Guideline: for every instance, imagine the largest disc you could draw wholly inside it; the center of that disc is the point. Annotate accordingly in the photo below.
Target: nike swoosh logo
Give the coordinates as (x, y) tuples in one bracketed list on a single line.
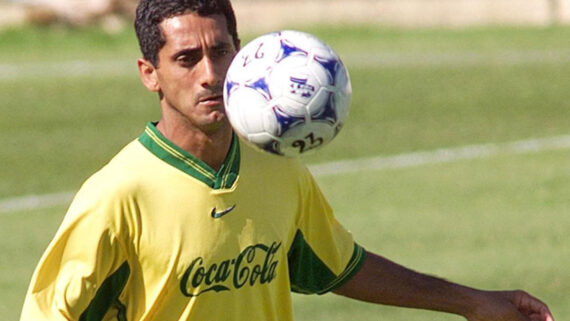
[(216, 214)]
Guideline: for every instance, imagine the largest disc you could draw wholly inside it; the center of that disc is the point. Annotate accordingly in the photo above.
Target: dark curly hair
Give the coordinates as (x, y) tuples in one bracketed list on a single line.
[(150, 13)]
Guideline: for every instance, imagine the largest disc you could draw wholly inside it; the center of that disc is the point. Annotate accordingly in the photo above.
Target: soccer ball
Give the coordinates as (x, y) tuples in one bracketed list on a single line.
[(287, 93)]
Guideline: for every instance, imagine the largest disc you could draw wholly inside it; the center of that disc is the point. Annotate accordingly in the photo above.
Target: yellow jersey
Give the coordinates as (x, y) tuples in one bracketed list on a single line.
[(157, 234)]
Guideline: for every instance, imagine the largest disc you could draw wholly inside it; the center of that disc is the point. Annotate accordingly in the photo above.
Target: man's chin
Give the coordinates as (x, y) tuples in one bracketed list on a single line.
[(216, 121), (216, 117)]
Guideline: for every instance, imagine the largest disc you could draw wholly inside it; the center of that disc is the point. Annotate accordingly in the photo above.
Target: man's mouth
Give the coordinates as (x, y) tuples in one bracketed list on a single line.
[(212, 100)]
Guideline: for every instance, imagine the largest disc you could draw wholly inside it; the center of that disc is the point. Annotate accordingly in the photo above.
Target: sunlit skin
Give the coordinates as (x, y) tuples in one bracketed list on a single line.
[(189, 80)]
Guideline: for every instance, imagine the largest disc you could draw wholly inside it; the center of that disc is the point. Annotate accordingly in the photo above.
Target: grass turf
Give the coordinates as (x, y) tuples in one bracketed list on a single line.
[(494, 223)]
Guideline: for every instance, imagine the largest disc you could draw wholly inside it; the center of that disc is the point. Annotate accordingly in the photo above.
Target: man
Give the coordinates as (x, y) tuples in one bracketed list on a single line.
[(188, 223)]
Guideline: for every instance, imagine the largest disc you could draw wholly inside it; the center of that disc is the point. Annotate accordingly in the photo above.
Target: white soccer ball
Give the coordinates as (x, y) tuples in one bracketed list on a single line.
[(287, 92)]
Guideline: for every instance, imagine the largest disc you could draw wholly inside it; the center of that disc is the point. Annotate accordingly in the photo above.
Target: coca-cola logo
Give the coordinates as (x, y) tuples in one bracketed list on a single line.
[(243, 270)]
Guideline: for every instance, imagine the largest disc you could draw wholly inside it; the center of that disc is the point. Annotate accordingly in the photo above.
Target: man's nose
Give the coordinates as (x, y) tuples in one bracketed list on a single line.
[(210, 72)]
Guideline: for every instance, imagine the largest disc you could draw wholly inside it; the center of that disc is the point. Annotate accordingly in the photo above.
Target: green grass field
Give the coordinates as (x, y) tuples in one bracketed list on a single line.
[(494, 222)]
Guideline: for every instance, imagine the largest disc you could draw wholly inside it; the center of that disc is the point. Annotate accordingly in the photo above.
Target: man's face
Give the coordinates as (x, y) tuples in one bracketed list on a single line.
[(192, 67)]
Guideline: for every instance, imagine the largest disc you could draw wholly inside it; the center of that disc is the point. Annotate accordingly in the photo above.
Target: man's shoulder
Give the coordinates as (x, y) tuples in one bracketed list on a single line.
[(123, 172)]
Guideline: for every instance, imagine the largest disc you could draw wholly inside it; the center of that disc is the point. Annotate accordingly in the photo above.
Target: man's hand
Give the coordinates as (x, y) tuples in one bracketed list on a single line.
[(509, 306)]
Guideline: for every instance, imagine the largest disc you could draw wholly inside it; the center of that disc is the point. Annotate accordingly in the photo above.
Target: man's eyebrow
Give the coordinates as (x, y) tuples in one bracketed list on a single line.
[(197, 51), (221, 45)]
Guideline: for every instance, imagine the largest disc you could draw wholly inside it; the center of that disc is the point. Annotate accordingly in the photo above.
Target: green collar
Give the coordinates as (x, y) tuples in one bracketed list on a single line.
[(164, 149)]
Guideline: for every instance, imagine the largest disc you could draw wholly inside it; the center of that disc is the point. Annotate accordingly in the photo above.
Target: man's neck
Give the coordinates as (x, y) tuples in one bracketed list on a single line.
[(210, 147)]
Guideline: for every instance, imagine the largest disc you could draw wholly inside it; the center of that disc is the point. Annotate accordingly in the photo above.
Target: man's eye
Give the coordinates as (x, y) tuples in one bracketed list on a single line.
[(187, 60), (222, 52)]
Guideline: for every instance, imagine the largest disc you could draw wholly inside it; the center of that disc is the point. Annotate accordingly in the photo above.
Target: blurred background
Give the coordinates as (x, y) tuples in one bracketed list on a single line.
[(453, 160), (267, 14)]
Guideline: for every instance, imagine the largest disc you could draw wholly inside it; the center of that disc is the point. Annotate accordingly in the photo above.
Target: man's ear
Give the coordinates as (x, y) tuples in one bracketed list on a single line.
[(148, 75)]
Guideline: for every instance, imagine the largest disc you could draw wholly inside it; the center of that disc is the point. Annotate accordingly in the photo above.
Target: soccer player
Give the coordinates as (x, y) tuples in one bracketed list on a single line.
[(188, 223)]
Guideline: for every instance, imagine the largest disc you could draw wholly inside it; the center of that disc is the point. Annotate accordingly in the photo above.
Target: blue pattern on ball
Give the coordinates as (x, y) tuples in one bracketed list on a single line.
[(229, 86), (260, 85), (286, 121), (331, 66), (287, 50)]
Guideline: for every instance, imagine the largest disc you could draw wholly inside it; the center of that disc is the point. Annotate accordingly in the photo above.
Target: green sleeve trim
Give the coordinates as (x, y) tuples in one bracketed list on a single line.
[(309, 275), (108, 295), (354, 265)]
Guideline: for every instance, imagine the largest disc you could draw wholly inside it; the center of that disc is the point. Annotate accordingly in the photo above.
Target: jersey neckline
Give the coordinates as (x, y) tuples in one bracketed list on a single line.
[(175, 156)]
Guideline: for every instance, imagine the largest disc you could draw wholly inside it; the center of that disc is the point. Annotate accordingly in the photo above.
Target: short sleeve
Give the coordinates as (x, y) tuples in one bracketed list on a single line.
[(83, 265), (323, 254)]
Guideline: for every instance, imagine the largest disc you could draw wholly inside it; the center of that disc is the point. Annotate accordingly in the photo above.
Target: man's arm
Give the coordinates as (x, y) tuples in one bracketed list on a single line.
[(84, 254), (385, 282)]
